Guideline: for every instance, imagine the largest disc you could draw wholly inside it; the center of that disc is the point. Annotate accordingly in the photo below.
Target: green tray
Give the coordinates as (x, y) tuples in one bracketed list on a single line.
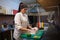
[(39, 34)]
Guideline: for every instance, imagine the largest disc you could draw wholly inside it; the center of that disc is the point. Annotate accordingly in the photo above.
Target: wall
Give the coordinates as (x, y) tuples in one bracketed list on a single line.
[(9, 19)]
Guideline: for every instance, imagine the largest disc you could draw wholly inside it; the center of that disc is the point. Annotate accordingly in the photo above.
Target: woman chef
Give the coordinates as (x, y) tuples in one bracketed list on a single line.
[(21, 22)]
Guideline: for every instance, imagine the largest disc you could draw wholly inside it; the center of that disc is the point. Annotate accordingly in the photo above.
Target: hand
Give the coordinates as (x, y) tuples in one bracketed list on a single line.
[(29, 27), (29, 30)]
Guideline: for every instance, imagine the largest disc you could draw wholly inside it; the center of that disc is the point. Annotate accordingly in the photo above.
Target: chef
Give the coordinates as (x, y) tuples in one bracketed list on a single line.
[(21, 22)]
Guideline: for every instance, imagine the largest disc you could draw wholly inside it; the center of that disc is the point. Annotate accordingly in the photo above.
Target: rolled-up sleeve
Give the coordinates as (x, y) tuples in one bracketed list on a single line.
[(17, 21)]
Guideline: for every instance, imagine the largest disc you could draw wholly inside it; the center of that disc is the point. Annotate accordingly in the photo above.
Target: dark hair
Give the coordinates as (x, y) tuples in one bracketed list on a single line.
[(21, 6)]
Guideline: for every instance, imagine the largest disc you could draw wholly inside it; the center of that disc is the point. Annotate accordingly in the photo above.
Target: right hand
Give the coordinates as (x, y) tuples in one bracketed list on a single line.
[(29, 30)]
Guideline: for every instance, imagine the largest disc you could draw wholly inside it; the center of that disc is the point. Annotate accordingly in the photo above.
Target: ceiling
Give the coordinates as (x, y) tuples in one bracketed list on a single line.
[(49, 4)]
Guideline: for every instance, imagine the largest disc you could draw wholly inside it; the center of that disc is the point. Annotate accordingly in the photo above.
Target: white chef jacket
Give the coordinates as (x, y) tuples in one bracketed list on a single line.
[(21, 21)]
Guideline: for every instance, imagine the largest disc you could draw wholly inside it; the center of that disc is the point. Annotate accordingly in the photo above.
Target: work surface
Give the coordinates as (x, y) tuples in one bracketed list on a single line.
[(36, 36)]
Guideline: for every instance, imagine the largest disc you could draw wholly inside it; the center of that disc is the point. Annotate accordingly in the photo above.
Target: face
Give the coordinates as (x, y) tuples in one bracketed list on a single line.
[(24, 10)]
